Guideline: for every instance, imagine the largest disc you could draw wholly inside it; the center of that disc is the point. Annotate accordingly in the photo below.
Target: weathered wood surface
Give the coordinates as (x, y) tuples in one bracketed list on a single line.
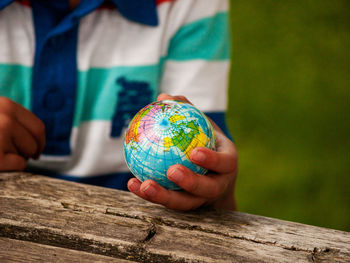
[(12, 250), (44, 219)]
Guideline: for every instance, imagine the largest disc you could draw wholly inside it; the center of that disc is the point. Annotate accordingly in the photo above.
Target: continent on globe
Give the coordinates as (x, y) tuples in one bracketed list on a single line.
[(163, 134)]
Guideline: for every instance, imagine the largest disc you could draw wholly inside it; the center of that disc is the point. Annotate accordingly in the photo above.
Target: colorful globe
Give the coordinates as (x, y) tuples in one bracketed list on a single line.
[(163, 134)]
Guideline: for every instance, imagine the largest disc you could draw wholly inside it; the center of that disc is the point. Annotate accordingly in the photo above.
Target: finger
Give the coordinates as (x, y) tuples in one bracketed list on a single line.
[(24, 141), (164, 96), (34, 125), (206, 186), (219, 162), (15, 138), (12, 162), (134, 186), (176, 200), (26, 118), (7, 145)]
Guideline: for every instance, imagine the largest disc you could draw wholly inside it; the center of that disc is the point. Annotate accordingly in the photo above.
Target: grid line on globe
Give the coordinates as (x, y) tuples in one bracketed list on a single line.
[(163, 134)]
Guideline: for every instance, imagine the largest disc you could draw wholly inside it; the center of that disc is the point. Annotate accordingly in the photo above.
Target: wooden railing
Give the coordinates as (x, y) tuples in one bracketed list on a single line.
[(49, 220)]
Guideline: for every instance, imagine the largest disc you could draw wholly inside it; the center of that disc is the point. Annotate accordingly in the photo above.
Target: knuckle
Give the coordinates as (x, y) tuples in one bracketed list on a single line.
[(6, 122)]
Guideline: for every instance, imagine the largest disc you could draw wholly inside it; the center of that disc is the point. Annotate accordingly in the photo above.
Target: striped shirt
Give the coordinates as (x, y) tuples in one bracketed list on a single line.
[(85, 72)]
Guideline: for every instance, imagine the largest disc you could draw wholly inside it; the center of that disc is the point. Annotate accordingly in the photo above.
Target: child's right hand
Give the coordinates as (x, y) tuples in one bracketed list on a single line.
[(22, 136)]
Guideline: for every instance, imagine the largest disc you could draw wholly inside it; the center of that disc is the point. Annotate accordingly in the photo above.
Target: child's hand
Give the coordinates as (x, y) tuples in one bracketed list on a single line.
[(22, 135), (215, 188)]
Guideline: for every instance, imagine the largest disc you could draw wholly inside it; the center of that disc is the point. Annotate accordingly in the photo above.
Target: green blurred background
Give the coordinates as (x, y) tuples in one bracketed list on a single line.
[(289, 109)]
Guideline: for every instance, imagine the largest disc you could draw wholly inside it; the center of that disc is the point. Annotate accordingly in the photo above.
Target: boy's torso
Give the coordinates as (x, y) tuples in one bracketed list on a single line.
[(120, 64)]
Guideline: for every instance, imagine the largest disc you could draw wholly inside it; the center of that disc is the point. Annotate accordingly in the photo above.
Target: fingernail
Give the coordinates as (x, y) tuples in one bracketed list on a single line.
[(198, 156), (134, 186), (150, 191), (176, 175)]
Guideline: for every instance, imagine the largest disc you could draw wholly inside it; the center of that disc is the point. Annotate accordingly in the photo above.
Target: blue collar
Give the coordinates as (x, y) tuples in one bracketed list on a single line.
[(141, 11)]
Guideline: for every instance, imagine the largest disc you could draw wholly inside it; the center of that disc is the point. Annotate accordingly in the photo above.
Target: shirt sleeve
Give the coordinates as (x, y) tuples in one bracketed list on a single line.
[(196, 56)]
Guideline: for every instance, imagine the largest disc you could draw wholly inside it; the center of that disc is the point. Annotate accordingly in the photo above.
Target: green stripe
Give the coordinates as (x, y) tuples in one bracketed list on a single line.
[(98, 90), (15, 83), (207, 39)]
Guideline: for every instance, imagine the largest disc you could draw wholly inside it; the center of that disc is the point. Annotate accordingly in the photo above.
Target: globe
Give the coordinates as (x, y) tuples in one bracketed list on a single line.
[(162, 134)]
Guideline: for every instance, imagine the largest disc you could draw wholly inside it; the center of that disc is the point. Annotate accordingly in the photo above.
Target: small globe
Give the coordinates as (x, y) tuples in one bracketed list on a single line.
[(163, 134)]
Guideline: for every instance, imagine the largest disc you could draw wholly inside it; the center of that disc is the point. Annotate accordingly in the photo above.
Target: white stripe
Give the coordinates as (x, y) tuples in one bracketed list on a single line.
[(183, 12), (16, 35), (106, 39), (204, 83), (94, 152), (174, 15)]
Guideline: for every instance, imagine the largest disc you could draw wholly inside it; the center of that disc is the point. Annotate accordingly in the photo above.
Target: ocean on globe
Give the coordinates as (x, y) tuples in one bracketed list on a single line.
[(163, 134)]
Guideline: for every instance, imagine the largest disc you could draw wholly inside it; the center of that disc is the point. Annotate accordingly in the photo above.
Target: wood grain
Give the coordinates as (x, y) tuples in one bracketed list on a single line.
[(117, 224), (22, 252)]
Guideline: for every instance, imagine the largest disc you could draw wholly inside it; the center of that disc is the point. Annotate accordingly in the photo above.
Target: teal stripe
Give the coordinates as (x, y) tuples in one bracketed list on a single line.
[(15, 83), (207, 39), (97, 94)]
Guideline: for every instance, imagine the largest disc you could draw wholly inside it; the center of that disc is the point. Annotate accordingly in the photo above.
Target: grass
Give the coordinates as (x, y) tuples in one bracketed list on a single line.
[(289, 109)]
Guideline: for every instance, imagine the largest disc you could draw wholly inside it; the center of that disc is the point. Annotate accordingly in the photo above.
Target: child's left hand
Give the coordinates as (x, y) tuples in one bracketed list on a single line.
[(214, 189)]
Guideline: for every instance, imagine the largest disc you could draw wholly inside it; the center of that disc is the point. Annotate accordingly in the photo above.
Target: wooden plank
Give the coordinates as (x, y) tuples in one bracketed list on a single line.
[(129, 226), (115, 236), (23, 252)]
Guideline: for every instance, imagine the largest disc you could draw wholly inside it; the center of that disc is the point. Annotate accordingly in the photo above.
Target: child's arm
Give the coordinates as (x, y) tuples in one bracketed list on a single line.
[(22, 135), (215, 189)]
